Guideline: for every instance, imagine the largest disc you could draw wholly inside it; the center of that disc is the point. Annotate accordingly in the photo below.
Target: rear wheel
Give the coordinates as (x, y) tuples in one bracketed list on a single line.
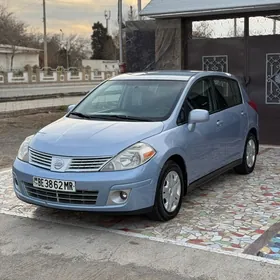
[(169, 194), (249, 157)]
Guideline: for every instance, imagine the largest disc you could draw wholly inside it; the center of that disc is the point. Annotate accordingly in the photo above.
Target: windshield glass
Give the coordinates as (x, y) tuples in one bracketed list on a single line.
[(134, 100)]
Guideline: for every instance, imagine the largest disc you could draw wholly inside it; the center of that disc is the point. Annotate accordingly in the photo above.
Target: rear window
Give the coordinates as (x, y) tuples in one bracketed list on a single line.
[(227, 93)]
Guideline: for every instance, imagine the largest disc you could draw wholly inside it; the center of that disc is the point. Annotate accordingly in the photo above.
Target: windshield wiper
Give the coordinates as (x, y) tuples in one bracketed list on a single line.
[(81, 115), (122, 117), (110, 117)]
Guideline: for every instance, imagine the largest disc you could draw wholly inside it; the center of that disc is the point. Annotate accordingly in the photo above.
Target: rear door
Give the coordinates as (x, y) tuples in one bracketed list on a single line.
[(232, 118)]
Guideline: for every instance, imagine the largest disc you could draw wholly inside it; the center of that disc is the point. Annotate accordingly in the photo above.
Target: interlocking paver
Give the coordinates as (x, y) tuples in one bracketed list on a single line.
[(229, 213)]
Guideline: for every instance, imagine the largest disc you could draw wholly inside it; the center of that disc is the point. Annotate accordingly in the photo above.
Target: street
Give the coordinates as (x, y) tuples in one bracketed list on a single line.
[(33, 90)]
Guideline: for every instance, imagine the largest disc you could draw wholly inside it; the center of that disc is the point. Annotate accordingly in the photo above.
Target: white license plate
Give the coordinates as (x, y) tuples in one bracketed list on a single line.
[(55, 185)]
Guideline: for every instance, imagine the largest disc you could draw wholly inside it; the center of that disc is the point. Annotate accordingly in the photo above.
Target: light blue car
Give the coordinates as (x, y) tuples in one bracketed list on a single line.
[(139, 142)]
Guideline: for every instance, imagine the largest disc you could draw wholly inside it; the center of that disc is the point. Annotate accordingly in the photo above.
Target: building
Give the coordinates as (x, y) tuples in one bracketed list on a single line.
[(16, 57), (254, 59), (102, 65)]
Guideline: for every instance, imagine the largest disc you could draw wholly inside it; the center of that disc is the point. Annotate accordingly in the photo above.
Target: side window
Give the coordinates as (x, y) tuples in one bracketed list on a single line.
[(227, 93), (237, 98), (184, 113), (199, 96)]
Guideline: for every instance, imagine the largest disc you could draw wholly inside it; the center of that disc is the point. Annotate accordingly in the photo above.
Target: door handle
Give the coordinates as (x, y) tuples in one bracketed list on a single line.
[(220, 123), (242, 113)]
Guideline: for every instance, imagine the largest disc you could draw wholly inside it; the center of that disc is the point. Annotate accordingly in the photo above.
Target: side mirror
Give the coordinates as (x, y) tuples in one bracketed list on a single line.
[(70, 108), (197, 116)]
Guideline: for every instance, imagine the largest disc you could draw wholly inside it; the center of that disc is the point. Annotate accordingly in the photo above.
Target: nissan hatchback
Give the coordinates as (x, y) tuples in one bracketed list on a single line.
[(139, 142)]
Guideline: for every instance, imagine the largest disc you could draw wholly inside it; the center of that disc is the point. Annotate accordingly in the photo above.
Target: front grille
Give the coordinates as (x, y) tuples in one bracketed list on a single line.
[(40, 159), (88, 164), (83, 164), (78, 198)]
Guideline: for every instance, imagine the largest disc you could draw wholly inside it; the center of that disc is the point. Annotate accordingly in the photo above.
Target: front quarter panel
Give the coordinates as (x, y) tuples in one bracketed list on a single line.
[(168, 144)]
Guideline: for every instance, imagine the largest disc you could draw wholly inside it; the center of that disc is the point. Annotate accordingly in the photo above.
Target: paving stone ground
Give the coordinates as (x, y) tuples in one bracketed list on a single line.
[(229, 213), (272, 249)]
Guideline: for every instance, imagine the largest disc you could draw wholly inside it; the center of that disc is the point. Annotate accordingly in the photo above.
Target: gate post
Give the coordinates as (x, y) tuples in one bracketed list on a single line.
[(186, 36), (246, 49)]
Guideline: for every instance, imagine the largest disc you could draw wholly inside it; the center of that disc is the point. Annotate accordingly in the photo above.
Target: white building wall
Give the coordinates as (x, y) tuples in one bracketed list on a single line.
[(4, 61), (101, 65), (20, 60), (23, 59)]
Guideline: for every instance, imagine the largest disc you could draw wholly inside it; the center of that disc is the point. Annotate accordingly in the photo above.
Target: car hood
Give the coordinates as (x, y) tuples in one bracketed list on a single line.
[(79, 137)]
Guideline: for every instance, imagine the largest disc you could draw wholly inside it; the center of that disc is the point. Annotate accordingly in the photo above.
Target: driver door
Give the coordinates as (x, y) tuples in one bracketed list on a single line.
[(202, 143)]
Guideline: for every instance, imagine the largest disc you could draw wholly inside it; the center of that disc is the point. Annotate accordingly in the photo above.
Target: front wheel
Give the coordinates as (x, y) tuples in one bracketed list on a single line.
[(170, 191), (249, 157)]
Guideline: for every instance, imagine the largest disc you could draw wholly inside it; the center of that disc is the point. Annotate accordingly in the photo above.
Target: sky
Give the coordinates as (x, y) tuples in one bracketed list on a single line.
[(72, 16)]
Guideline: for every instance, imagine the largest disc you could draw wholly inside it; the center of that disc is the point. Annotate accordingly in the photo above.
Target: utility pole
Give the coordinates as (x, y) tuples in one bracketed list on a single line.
[(120, 30), (131, 13), (62, 37), (139, 9), (45, 35), (107, 15)]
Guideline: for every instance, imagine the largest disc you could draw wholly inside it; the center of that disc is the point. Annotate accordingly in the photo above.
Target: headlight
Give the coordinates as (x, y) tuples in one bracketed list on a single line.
[(23, 150), (130, 158)]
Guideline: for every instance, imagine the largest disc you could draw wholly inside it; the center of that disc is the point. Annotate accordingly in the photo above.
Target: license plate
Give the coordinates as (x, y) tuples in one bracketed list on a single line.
[(55, 185)]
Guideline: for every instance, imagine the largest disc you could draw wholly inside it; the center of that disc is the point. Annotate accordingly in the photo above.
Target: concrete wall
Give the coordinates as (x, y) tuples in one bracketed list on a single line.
[(59, 75)]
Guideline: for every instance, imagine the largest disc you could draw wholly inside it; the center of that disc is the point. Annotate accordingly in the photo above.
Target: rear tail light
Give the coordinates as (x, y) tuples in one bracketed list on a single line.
[(253, 105)]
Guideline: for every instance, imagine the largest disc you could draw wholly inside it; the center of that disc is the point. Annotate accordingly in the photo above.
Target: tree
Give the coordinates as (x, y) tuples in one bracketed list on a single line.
[(202, 29), (79, 48), (99, 38), (103, 46), (13, 32)]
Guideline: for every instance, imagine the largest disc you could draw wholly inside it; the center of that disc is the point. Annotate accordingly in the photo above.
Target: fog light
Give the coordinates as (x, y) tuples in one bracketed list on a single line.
[(123, 195), (118, 197)]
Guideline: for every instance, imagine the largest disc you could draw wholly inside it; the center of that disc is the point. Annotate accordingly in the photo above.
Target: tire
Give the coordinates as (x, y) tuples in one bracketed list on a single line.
[(162, 210), (248, 165)]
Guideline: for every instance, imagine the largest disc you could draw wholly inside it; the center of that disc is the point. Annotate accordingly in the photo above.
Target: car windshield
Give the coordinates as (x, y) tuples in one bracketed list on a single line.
[(145, 100)]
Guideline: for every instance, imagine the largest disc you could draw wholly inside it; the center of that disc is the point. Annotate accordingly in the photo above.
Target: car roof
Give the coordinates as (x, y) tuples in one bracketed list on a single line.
[(176, 75)]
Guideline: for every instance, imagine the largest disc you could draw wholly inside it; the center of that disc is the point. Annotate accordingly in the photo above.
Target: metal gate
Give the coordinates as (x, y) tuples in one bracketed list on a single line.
[(258, 68)]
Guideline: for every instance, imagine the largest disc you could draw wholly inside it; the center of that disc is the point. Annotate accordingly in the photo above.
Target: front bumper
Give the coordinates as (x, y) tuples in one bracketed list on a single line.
[(141, 182)]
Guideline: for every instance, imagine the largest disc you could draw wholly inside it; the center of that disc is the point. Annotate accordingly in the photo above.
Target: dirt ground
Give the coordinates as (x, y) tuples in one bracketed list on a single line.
[(15, 129)]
